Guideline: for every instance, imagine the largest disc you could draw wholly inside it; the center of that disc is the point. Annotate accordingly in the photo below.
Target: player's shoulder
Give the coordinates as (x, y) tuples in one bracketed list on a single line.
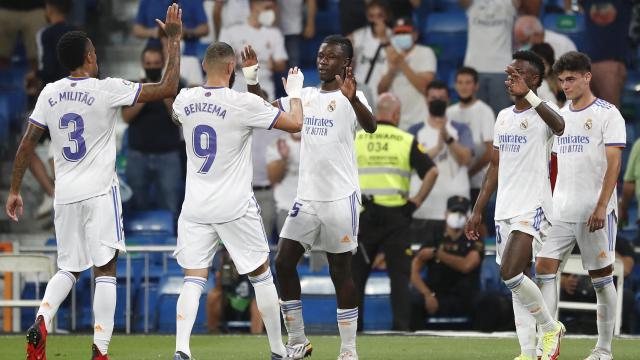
[(110, 83), (605, 106), (506, 112)]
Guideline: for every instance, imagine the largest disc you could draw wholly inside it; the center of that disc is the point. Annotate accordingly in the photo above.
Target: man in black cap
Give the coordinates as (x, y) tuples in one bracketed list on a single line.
[(453, 268)]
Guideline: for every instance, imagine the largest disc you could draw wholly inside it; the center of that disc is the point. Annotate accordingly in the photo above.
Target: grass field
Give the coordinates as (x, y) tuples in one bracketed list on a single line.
[(154, 347)]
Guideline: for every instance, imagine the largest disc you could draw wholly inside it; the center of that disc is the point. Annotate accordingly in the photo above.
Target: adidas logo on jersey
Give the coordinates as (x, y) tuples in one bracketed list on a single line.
[(345, 239)]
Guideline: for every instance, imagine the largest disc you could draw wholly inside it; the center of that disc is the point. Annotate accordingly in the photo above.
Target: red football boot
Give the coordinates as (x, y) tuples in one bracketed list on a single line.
[(97, 355), (37, 340)]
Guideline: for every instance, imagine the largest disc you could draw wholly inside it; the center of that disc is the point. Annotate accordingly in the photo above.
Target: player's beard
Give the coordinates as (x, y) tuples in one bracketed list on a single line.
[(232, 79)]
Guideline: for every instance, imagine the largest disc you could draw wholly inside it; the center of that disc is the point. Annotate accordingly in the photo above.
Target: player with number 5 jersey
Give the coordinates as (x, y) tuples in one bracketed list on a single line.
[(81, 112), (219, 206)]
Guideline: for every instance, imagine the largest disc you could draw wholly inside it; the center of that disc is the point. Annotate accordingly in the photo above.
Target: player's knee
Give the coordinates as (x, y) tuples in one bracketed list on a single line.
[(261, 269), (508, 271), (339, 270), (547, 266), (606, 271), (108, 269)]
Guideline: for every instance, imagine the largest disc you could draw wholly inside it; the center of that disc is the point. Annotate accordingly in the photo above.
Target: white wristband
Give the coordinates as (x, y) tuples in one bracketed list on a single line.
[(251, 74), (294, 85), (533, 99)]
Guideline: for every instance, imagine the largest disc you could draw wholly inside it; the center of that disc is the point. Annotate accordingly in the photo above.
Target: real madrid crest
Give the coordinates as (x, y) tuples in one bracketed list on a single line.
[(524, 124), (588, 124), (332, 105)]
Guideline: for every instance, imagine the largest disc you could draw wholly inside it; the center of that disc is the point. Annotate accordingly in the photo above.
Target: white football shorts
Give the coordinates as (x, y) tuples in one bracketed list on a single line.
[(597, 248), (90, 231), (244, 238), (533, 223), (330, 226)]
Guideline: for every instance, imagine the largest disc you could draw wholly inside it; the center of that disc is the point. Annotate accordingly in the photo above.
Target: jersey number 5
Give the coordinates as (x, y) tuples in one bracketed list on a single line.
[(75, 136), (205, 144)]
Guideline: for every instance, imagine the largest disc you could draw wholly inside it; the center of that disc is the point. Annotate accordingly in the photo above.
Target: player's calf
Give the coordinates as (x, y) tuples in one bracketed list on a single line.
[(267, 300)]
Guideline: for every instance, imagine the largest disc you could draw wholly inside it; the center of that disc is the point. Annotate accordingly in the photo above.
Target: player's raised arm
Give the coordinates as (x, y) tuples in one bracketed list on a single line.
[(292, 121), (20, 165), (489, 186), (250, 69), (168, 86), (348, 88), (518, 87)]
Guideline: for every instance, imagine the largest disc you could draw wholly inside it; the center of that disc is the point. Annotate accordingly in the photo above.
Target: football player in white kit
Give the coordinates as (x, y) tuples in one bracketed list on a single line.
[(219, 206), (80, 112), (325, 213), (589, 155), (519, 171)]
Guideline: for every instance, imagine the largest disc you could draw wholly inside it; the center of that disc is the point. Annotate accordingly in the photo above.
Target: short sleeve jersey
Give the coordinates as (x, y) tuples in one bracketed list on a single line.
[(217, 124), (81, 115), (582, 160), (328, 168)]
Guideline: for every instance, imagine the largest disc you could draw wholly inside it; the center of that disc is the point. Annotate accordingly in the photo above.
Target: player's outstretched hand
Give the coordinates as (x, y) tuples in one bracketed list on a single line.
[(472, 225), (515, 83), (172, 26), (596, 220), (294, 82), (249, 57), (348, 85), (14, 206)]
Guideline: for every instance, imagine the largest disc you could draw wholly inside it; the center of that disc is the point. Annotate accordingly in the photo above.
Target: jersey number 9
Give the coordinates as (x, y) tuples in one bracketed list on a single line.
[(205, 146), (75, 136)]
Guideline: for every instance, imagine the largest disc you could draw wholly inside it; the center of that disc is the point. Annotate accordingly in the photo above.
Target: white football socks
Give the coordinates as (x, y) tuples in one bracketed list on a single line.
[(267, 301), (606, 313), (525, 328), (348, 326), (104, 309), (531, 297), (187, 309), (549, 289), (57, 290), (293, 321)]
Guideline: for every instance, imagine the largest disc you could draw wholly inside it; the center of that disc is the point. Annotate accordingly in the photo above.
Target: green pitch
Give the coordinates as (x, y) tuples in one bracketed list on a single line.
[(137, 347)]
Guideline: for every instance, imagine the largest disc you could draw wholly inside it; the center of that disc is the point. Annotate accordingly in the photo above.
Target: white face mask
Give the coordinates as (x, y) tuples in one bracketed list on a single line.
[(456, 220), (267, 18), (402, 42)]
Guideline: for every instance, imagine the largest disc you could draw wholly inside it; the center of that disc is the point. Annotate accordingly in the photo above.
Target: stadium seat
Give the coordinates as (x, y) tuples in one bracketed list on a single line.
[(630, 102), (446, 33), (571, 25), (446, 5), (490, 275), (149, 222)]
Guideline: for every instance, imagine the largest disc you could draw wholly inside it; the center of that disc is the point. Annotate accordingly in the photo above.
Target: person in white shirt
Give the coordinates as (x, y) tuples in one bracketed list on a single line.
[(283, 161), (296, 26), (519, 170), (589, 155), (479, 117), (410, 68), (369, 42), (259, 32), (228, 13), (528, 30), (81, 112), (444, 145), (489, 43), (324, 215), (219, 206)]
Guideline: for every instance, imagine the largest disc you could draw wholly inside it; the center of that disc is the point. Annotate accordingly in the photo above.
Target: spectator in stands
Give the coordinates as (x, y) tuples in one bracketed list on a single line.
[(580, 289), (453, 270), (479, 117), (631, 176), (369, 42), (294, 27), (20, 19), (262, 185), (283, 159), (194, 21), (607, 31), (451, 152), (267, 40), (228, 13), (549, 90), (153, 161), (410, 68), (232, 299), (489, 44), (49, 68), (528, 31)]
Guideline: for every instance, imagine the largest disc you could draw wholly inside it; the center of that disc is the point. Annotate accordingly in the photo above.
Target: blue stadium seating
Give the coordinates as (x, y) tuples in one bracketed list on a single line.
[(149, 222), (446, 33), (446, 5), (571, 25)]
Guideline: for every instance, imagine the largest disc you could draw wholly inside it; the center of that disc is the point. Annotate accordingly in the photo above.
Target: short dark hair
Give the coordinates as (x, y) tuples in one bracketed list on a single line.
[(152, 49), (63, 6), (467, 70), (532, 58), (218, 50), (573, 61), (72, 48), (384, 4), (545, 51), (437, 85), (343, 42)]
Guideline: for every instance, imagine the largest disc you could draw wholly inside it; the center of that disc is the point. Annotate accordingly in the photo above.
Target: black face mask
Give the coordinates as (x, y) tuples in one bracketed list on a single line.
[(466, 100), (437, 107), (153, 74), (232, 79)]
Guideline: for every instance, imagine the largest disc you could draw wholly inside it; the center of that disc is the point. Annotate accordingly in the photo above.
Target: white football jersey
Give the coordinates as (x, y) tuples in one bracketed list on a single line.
[(582, 161), (81, 115), (524, 142), (328, 168), (217, 124)]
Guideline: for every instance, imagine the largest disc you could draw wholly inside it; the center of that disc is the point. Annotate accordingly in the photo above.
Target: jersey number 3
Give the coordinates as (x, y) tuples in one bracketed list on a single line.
[(77, 152), (205, 145)]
